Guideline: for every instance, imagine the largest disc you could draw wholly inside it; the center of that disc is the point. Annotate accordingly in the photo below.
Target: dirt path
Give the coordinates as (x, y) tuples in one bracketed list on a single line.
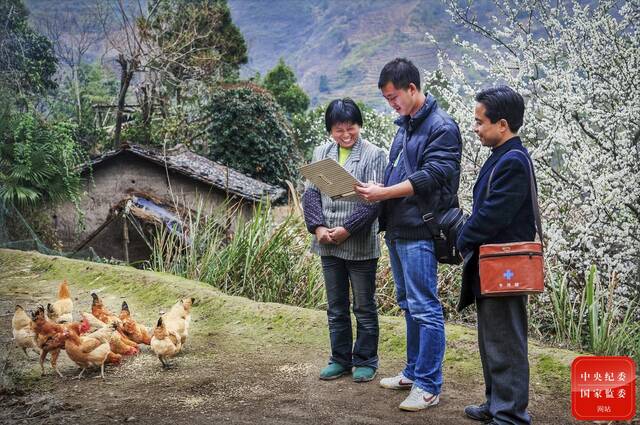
[(245, 363)]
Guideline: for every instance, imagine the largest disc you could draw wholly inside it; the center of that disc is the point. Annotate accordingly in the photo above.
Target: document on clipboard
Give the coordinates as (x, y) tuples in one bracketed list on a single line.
[(331, 179)]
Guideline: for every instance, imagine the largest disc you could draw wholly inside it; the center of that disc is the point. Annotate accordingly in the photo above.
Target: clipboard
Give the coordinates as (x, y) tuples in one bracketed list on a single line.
[(332, 179)]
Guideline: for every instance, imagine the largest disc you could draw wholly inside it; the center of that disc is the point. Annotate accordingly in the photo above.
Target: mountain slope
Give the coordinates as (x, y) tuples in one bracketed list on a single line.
[(336, 48), (345, 44)]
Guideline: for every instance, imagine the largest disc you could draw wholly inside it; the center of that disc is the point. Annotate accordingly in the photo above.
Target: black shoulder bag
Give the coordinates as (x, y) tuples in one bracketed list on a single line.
[(445, 229)]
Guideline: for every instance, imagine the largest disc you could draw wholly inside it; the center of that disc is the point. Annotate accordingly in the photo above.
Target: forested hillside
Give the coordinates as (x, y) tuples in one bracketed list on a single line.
[(336, 48)]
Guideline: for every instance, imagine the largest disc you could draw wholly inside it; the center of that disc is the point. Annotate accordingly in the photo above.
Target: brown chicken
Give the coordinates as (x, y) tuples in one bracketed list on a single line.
[(93, 320), (88, 352), (179, 317), (133, 330), (109, 334), (50, 336), (100, 311), (165, 343), (23, 333), (61, 310), (120, 344)]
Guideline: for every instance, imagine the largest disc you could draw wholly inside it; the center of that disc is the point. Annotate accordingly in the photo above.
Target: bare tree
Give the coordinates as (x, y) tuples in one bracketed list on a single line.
[(72, 35), (159, 53)]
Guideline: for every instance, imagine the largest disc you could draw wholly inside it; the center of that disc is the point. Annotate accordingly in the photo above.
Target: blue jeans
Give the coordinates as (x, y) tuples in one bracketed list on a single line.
[(338, 273), (415, 271)]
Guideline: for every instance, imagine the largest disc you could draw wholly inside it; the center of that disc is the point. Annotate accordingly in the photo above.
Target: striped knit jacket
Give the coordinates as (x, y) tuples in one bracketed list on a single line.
[(366, 163)]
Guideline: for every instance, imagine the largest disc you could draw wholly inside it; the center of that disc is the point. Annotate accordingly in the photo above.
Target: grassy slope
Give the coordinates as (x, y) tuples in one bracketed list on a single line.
[(256, 326)]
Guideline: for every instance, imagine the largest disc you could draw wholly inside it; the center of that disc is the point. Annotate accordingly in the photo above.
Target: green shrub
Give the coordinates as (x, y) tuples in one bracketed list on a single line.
[(262, 260), (248, 131)]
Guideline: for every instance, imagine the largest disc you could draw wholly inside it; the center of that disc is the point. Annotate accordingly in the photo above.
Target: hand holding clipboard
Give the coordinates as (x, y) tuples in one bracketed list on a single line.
[(331, 179)]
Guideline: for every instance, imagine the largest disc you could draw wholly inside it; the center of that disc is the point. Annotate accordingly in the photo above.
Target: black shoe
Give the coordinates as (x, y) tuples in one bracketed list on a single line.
[(478, 413)]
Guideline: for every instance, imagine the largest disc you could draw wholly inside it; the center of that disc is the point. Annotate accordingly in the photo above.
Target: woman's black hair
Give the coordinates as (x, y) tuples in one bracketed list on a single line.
[(502, 102), (342, 111)]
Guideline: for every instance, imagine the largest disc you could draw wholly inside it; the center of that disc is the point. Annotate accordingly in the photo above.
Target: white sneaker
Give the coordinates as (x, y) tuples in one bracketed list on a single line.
[(419, 399), (399, 382)]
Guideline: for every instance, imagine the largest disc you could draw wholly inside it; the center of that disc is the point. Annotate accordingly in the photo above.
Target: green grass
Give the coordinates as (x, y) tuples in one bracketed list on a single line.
[(247, 325)]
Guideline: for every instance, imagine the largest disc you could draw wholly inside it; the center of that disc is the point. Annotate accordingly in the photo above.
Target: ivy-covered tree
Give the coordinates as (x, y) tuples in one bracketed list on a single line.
[(281, 81), (248, 131), (27, 59)]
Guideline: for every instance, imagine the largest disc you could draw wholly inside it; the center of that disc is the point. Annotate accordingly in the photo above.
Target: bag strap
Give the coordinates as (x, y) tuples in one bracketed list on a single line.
[(534, 193)]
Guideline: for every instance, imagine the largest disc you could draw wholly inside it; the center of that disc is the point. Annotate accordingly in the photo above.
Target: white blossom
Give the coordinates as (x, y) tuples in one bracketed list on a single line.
[(578, 67)]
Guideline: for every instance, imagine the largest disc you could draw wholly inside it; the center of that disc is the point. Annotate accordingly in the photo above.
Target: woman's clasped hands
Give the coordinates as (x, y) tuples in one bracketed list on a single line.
[(334, 235)]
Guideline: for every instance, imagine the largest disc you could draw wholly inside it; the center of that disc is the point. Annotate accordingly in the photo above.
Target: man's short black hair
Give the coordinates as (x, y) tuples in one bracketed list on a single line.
[(342, 111), (502, 102), (401, 72)]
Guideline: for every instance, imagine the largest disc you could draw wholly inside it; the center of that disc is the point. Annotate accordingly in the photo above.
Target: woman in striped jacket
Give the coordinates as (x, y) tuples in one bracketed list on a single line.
[(345, 237)]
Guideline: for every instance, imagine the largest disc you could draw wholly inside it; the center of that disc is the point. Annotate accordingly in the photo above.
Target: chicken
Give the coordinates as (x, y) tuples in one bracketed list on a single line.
[(23, 333), (88, 352), (100, 311), (50, 336), (178, 318), (115, 339), (61, 310), (119, 343), (103, 334), (126, 340), (93, 320), (165, 343), (133, 330), (119, 346)]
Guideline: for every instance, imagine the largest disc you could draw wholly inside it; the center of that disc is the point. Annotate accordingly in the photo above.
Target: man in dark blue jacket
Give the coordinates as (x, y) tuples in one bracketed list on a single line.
[(422, 177), (502, 212)]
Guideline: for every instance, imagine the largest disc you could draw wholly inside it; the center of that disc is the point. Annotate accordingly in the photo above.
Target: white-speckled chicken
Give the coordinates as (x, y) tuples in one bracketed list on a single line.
[(61, 310), (165, 343), (178, 318), (23, 333)]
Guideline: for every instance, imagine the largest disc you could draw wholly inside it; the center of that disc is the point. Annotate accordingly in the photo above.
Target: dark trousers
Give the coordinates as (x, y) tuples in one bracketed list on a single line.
[(339, 275), (502, 337)]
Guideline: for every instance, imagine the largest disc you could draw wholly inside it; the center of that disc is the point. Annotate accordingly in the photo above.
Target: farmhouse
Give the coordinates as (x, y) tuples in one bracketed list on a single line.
[(132, 189)]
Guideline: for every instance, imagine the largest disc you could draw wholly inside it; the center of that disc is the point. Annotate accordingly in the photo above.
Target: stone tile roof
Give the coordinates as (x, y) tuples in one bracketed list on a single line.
[(180, 159)]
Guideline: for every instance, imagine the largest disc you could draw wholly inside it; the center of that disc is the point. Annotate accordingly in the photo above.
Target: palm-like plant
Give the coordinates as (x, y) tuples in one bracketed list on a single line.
[(38, 161)]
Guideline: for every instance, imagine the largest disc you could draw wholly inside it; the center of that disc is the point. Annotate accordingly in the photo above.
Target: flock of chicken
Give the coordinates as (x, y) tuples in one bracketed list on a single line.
[(101, 337)]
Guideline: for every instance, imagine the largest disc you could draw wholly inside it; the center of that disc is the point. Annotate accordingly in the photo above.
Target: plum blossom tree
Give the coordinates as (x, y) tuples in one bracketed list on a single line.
[(578, 67)]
